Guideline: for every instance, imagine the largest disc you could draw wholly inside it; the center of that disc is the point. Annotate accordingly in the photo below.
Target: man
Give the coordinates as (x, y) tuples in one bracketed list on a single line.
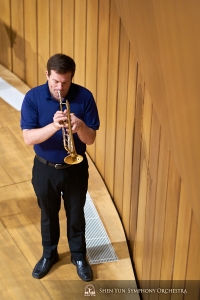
[(42, 121)]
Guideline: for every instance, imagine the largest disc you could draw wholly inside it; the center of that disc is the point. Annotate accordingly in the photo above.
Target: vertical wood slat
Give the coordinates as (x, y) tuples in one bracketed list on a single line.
[(30, 36), (146, 124), (91, 55), (151, 196), (170, 230), (43, 38), (102, 87), (5, 34), (145, 132), (67, 16), (128, 153), (121, 119), (138, 245), (17, 20), (80, 40), (193, 263), (112, 97), (182, 243), (140, 205), (91, 46), (55, 28), (161, 195), (183, 237), (136, 160)]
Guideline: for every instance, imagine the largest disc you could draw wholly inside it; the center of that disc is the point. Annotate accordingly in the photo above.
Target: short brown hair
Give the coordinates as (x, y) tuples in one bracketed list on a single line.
[(61, 64)]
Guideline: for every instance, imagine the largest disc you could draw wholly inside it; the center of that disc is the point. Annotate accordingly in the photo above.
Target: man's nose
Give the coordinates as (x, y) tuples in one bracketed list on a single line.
[(59, 85)]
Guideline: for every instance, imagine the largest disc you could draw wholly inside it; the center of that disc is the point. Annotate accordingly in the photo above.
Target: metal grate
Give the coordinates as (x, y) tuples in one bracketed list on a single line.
[(99, 247)]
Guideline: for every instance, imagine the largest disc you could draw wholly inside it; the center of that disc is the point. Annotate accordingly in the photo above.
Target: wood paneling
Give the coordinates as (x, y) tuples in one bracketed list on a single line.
[(193, 263), (137, 140), (43, 38), (5, 34), (158, 233), (151, 196), (55, 26), (18, 41), (161, 195), (68, 21), (171, 216), (80, 40), (146, 124), (165, 37), (121, 117), (138, 243), (91, 54), (114, 31), (30, 34), (128, 152), (183, 237), (91, 46), (102, 78)]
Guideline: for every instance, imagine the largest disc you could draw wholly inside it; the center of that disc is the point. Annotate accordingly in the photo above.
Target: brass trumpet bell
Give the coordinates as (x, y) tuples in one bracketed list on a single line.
[(72, 160)]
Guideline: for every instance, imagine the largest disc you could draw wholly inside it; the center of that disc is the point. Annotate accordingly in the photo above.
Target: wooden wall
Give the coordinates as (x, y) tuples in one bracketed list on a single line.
[(134, 152)]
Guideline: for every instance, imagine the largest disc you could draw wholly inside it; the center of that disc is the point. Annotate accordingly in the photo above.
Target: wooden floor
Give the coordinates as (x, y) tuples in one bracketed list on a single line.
[(20, 240)]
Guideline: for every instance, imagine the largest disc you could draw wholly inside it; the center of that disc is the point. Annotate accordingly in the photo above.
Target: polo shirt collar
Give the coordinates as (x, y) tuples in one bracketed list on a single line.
[(70, 95)]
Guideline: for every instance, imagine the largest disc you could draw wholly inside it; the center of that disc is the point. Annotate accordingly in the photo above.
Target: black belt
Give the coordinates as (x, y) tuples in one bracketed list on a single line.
[(57, 166)]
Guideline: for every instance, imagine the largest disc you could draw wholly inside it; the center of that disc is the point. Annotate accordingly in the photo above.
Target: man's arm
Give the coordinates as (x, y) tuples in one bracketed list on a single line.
[(86, 134), (38, 135)]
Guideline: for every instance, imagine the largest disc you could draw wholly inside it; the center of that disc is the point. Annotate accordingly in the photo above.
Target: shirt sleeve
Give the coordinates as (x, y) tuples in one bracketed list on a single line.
[(91, 117), (29, 116)]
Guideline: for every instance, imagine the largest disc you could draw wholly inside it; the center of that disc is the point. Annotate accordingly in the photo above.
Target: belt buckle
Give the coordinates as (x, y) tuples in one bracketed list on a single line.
[(58, 166)]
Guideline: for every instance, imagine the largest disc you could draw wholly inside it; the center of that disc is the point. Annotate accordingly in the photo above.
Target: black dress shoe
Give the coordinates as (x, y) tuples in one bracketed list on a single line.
[(84, 270), (43, 266)]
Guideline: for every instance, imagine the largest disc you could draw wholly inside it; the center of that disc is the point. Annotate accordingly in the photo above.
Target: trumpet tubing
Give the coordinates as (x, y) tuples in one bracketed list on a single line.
[(68, 139)]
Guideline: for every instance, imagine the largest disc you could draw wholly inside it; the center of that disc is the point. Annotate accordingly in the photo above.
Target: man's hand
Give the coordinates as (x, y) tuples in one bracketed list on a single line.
[(86, 134), (75, 122), (59, 119)]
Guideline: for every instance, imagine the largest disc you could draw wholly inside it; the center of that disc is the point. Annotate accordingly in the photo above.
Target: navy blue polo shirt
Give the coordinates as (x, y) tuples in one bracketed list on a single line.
[(38, 109)]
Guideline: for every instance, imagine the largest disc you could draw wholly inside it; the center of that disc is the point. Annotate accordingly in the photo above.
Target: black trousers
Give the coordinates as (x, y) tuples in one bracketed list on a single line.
[(48, 184)]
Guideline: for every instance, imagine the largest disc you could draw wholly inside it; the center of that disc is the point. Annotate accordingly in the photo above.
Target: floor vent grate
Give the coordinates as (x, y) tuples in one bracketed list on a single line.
[(99, 247)]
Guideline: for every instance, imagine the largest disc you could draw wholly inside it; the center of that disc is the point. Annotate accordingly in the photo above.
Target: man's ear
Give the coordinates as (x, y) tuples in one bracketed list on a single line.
[(46, 72)]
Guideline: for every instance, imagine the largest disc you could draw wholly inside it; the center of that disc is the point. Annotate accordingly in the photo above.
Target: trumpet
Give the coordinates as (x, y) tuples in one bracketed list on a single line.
[(68, 140)]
